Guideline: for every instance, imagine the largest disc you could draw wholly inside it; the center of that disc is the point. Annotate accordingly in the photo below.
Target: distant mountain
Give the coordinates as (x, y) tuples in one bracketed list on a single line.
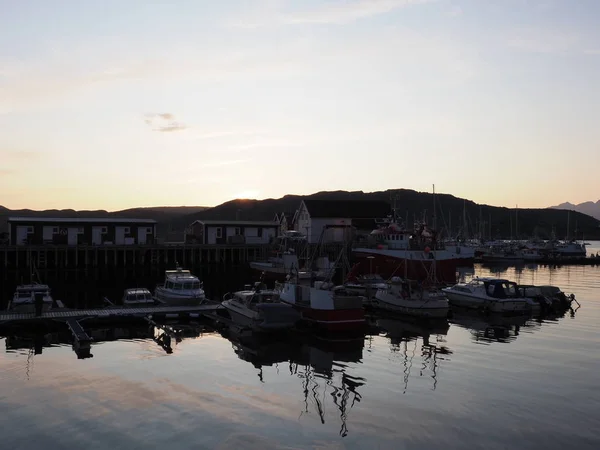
[(589, 208), (452, 214)]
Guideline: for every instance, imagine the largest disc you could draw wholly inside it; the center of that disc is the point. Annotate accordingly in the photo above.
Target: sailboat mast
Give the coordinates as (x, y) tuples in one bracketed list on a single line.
[(517, 222)]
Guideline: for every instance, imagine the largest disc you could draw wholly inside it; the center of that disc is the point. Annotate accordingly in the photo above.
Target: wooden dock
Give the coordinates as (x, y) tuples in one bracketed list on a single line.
[(105, 313)]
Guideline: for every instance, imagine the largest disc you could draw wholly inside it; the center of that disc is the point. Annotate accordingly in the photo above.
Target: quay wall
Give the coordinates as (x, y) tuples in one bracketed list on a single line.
[(152, 255)]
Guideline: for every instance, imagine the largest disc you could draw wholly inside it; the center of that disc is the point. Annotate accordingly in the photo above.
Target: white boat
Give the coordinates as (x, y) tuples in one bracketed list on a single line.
[(180, 288), (400, 297), (138, 297), (26, 295), (365, 285), (493, 294), (260, 309)]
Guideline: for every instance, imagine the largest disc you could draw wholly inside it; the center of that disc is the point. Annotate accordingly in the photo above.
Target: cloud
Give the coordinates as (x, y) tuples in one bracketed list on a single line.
[(228, 162), (163, 122), (592, 51), (7, 172), (332, 12)]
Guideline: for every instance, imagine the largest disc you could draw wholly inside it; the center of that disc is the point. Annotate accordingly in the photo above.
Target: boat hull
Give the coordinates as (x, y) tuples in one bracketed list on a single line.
[(28, 307), (520, 305), (388, 265), (434, 309), (263, 323), (170, 299), (333, 319)]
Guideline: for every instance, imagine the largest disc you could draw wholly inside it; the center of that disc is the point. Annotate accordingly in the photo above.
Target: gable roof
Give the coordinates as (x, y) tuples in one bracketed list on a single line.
[(347, 209)]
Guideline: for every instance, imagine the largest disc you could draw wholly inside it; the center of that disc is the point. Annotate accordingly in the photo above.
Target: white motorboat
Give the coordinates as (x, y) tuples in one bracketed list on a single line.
[(365, 285), (27, 295), (180, 288), (138, 297), (493, 294), (259, 309), (399, 296)]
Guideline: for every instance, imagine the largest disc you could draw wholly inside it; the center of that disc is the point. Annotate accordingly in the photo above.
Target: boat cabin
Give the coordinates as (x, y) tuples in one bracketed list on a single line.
[(253, 295), (392, 236), (137, 296), (181, 279), (497, 287)]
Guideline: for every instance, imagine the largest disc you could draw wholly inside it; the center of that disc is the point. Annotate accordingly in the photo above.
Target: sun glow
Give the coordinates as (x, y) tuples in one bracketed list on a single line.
[(249, 194)]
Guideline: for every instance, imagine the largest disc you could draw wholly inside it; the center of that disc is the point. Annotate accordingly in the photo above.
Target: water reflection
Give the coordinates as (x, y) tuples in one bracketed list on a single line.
[(416, 338), (321, 363), (32, 342)]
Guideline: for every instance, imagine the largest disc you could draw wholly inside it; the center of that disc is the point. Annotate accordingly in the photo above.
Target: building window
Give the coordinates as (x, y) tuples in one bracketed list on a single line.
[(29, 230), (55, 230), (80, 230), (104, 230), (126, 230), (238, 231), (219, 232), (148, 230)]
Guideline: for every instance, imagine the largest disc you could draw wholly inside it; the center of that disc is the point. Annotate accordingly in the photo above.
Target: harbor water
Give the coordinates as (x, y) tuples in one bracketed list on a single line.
[(476, 382)]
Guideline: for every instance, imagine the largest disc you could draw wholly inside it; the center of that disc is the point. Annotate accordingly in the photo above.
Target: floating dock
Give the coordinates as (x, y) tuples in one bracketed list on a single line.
[(106, 313)]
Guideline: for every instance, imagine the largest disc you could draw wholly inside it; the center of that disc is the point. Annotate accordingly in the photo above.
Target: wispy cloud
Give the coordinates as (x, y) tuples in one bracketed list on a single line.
[(7, 172), (163, 122), (331, 12), (225, 162)]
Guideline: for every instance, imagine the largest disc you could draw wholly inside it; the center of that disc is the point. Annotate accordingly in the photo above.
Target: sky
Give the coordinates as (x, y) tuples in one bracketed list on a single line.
[(117, 104)]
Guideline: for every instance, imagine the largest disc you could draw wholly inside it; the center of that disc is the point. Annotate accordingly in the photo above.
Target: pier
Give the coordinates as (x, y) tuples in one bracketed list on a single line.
[(79, 257)]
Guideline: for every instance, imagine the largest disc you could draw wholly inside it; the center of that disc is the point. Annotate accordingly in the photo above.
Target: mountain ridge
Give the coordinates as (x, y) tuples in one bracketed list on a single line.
[(451, 213), (590, 208)]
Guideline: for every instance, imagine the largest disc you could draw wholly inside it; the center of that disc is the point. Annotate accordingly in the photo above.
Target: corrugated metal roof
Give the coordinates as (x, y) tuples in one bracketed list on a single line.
[(79, 220)]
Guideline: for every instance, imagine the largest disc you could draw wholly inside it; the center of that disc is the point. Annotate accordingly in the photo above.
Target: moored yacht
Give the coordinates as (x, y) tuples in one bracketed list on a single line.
[(259, 309), (402, 297), (180, 288), (27, 295), (493, 294)]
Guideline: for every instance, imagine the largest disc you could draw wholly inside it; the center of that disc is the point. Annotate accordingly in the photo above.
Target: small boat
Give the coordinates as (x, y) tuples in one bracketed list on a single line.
[(27, 295), (259, 309), (180, 288), (324, 305), (365, 285), (493, 294), (399, 296), (138, 297)]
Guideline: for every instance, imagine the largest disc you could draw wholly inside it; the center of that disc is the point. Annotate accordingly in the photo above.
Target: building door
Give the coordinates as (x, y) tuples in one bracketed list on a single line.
[(72, 236), (142, 235), (97, 236), (120, 235), (22, 233)]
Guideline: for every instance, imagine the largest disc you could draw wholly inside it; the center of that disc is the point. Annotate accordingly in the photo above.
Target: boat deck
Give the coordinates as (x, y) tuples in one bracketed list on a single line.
[(59, 314)]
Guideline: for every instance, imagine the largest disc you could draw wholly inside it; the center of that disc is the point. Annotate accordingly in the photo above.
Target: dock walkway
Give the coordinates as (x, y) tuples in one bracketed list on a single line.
[(104, 313)]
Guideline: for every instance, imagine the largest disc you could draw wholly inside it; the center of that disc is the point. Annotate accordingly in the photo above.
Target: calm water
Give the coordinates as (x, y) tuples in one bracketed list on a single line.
[(492, 384)]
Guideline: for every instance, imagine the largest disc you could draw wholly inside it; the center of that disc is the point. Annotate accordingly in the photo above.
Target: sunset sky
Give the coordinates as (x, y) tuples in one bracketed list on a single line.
[(116, 104)]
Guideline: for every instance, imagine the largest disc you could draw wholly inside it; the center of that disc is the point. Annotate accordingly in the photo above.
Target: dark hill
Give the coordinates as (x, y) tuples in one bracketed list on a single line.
[(411, 204)]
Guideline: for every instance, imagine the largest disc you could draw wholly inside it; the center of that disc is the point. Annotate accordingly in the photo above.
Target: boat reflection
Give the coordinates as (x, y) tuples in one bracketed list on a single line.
[(427, 342), (321, 363), (489, 328), (33, 342)]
